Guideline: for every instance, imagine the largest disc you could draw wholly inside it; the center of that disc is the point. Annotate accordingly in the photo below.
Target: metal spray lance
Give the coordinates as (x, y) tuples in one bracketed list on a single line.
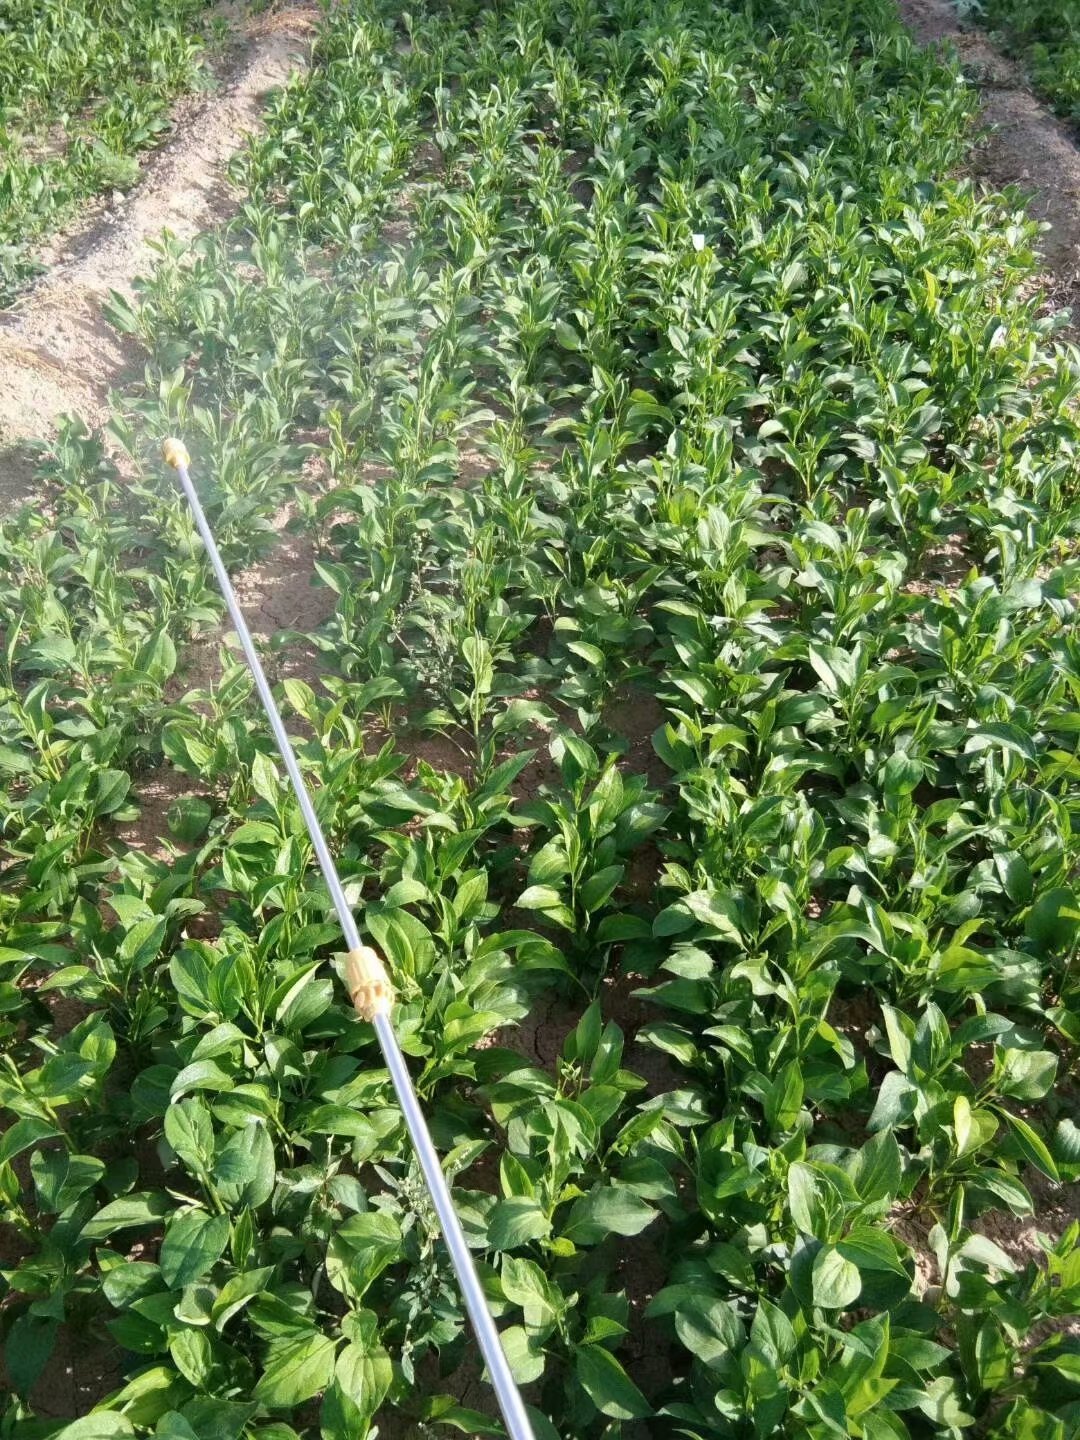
[(370, 990)]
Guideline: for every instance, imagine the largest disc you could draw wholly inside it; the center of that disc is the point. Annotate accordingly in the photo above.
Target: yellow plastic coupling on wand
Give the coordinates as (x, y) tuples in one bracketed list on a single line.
[(368, 983), (175, 453)]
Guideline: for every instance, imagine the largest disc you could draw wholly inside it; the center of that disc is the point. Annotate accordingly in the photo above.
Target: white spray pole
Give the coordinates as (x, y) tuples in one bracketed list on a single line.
[(371, 992)]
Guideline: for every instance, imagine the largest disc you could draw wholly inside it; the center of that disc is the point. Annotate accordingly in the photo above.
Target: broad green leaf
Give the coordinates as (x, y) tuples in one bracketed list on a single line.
[(525, 1284), (524, 1354), (1027, 1074), (871, 1249), (597, 890), (608, 1210), (835, 668), (539, 897), (144, 1208), (217, 1419), (173, 1426), (60, 1178), (986, 1252), (878, 1167), (895, 1104), (192, 1355), (1052, 921), (709, 1329), (130, 1281), (961, 1122), (365, 1376), (27, 1349), (1016, 877), (14, 762), (805, 1200), (898, 1031), (900, 774), (265, 780), (245, 1169), (101, 1425), (784, 1098), (295, 1370), (1000, 734), (1031, 1145), (608, 1386), (360, 1250), (591, 654), (157, 658), (516, 1220), (772, 1333), (444, 1410), (716, 911), (237, 1292), (193, 1243), (1066, 1363), (835, 1280), (23, 1134), (477, 655), (150, 1393), (201, 1075), (190, 1131), (188, 817), (1067, 1142)]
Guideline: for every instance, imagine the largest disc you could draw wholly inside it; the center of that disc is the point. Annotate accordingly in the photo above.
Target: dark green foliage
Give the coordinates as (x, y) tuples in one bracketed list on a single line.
[(1045, 34), (84, 87), (685, 470)]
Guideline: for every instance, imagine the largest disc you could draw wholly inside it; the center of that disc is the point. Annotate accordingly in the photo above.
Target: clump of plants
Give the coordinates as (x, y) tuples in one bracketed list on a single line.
[(693, 483), (84, 88), (1045, 34)]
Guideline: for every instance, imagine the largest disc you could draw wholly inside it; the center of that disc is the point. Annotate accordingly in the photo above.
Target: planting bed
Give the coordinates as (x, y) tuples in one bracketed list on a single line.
[(57, 353), (1021, 142), (679, 476), (85, 85), (1045, 34)]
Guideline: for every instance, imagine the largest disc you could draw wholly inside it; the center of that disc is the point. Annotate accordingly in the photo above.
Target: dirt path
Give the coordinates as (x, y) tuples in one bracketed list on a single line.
[(56, 353), (1027, 145)]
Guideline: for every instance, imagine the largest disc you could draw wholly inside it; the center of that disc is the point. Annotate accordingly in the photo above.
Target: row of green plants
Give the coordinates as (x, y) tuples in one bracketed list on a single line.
[(1045, 35), (696, 487), (85, 86)]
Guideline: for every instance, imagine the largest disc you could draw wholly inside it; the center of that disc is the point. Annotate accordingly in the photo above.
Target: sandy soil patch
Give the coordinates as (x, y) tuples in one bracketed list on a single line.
[(57, 354)]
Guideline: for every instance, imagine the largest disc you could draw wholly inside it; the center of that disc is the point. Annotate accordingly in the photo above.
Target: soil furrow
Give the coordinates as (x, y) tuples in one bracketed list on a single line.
[(57, 353), (1026, 145)]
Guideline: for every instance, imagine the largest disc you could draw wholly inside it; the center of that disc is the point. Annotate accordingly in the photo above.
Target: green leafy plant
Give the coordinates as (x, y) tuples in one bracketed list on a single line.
[(686, 472), (83, 89)]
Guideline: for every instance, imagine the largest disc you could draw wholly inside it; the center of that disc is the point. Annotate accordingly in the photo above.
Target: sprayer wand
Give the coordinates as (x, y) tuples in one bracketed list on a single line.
[(371, 992)]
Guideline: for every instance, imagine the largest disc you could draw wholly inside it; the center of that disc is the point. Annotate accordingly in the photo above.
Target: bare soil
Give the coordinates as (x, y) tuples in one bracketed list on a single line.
[(83, 1369), (281, 592), (1025, 145), (1056, 1207), (636, 715), (154, 793), (912, 1226), (57, 354)]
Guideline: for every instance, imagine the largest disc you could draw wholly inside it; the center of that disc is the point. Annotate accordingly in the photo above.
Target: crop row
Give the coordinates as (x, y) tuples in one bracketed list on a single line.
[(695, 480), (1045, 34), (85, 85)]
